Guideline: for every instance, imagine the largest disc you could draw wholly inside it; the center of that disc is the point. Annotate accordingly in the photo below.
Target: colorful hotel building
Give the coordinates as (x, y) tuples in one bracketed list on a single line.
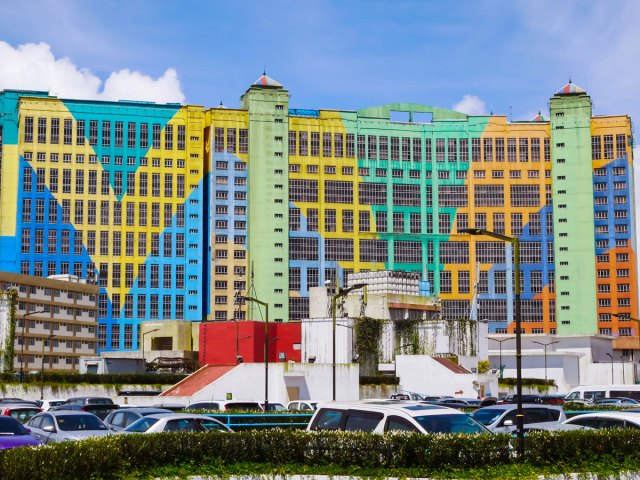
[(179, 208)]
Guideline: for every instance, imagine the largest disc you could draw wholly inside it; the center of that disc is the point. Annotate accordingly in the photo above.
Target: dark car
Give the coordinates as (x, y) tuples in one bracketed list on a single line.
[(525, 399), (13, 434), (99, 410), (121, 418), (90, 400)]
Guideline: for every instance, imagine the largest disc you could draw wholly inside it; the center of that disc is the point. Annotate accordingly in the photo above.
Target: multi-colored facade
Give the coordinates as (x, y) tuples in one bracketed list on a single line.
[(274, 200), (111, 192)]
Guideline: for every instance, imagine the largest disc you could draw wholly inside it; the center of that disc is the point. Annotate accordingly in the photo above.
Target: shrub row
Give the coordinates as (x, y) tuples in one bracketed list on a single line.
[(527, 381), (91, 378), (115, 456), (379, 380)]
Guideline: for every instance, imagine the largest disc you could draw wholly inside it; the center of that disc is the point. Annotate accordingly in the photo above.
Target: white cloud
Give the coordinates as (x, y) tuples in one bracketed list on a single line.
[(471, 105), (34, 67)]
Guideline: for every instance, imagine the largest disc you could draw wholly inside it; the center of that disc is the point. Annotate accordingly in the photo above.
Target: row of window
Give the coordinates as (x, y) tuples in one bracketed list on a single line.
[(373, 147), (139, 214), (104, 133), (105, 160), (602, 146), (145, 306), (117, 181)]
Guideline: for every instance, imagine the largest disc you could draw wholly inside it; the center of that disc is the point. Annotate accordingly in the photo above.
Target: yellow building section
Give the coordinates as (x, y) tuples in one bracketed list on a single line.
[(228, 259), (331, 168), (159, 161), (489, 171), (9, 190)]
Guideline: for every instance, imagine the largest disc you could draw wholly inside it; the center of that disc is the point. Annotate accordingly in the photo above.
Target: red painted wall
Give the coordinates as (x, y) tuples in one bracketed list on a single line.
[(221, 341)]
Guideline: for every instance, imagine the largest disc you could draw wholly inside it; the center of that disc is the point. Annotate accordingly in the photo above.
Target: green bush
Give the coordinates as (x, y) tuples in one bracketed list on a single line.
[(91, 378), (379, 380), (113, 456), (527, 381)]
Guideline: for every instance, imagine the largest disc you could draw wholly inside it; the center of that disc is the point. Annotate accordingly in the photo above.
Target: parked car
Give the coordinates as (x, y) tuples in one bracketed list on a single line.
[(502, 418), (90, 400), (304, 405), (98, 409), (176, 422), (617, 402), (20, 411), (121, 418), (621, 419), (13, 434), (62, 426), (525, 399), (406, 396), (274, 407), (47, 404), (174, 407), (388, 416), (455, 402), (223, 405)]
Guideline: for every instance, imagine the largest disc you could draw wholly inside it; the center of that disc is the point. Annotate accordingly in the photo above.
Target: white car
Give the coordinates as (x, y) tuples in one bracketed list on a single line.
[(392, 415), (304, 405), (45, 405), (502, 418), (599, 420), (176, 422)]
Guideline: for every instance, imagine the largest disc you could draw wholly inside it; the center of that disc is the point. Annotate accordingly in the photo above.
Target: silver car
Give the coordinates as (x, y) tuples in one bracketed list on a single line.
[(66, 425), (176, 422), (123, 417), (502, 418)]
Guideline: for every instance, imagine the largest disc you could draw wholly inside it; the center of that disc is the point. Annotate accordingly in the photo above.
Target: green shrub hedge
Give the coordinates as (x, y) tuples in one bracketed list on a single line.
[(91, 378), (116, 456), (527, 381), (379, 380)]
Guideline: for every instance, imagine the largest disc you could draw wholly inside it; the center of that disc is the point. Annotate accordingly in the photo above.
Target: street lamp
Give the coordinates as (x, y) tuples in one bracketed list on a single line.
[(625, 317), (545, 345), (266, 346), (342, 292), (500, 342), (142, 346), (24, 324), (518, 319), (44, 342), (611, 357)]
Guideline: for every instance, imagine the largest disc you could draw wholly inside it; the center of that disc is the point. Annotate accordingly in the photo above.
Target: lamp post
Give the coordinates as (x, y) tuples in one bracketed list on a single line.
[(625, 317), (518, 319), (342, 292), (142, 346), (500, 342), (266, 346), (545, 345), (24, 324), (44, 342), (611, 358)]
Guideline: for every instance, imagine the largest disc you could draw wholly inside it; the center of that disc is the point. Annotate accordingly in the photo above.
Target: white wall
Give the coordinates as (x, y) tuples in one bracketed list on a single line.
[(312, 381), (422, 374)]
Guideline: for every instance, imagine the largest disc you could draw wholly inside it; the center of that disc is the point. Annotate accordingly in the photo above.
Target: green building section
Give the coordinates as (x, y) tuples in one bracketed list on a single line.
[(445, 124), (268, 207), (573, 214)]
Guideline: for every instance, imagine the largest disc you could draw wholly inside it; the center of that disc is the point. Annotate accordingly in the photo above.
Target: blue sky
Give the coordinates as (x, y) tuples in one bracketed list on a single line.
[(479, 56), (511, 55)]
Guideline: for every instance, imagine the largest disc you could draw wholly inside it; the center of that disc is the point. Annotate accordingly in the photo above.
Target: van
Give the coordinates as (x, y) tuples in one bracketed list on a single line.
[(591, 393), (392, 416)]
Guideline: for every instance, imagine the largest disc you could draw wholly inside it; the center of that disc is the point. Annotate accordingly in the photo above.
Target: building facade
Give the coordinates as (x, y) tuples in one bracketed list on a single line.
[(56, 321), (111, 190), (180, 208)]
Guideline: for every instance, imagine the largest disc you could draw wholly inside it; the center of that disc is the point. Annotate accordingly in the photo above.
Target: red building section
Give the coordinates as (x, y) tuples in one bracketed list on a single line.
[(229, 343)]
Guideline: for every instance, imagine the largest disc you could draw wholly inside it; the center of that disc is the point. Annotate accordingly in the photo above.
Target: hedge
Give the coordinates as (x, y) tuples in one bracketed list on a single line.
[(379, 380), (92, 378), (114, 456), (527, 381)]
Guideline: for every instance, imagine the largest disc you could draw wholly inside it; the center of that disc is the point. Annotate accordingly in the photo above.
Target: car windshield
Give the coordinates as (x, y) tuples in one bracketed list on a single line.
[(141, 425), (10, 426), (456, 423), (487, 416), (73, 423)]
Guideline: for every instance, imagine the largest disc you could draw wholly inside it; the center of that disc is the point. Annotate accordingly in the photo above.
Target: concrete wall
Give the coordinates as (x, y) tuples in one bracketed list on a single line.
[(422, 374), (287, 381), (32, 392)]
